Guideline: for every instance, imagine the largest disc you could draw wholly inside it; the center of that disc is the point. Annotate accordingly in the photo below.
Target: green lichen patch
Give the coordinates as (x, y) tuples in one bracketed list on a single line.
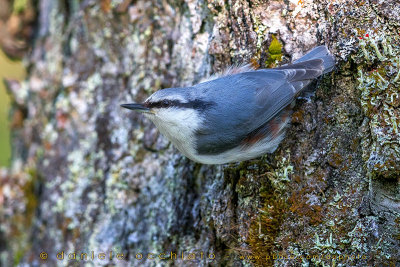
[(379, 82)]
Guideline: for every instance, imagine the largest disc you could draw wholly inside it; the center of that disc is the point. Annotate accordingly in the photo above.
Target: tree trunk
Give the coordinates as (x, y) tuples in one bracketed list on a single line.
[(89, 177)]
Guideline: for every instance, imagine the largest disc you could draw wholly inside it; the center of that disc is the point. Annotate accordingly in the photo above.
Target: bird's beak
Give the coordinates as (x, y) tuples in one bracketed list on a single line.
[(137, 107)]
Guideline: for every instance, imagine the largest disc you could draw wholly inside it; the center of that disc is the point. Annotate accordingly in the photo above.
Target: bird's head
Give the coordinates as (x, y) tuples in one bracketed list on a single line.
[(171, 106)]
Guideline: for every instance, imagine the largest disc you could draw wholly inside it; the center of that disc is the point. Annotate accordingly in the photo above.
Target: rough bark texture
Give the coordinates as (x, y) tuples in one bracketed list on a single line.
[(88, 176)]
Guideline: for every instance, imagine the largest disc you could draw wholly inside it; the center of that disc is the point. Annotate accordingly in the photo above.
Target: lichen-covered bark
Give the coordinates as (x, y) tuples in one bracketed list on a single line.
[(88, 176)]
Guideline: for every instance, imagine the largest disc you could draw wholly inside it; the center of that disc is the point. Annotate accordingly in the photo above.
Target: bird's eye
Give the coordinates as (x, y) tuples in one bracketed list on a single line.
[(165, 103)]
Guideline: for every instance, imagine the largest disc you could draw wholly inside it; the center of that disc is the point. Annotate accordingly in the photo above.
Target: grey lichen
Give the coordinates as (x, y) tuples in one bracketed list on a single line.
[(379, 85)]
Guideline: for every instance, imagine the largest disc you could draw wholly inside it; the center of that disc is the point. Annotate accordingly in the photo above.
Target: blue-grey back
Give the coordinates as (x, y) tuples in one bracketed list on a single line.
[(239, 104)]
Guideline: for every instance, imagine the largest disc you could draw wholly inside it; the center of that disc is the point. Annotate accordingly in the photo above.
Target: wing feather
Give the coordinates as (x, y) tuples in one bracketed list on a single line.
[(251, 99)]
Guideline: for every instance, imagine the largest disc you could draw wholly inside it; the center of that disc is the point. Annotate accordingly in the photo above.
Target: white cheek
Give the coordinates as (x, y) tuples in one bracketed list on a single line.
[(179, 117), (179, 126)]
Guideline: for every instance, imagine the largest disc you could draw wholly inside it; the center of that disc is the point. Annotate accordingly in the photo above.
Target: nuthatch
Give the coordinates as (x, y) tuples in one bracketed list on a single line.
[(239, 115)]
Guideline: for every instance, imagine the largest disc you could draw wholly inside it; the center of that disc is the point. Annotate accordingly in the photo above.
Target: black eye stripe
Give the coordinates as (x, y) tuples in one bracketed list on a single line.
[(196, 104), (162, 104)]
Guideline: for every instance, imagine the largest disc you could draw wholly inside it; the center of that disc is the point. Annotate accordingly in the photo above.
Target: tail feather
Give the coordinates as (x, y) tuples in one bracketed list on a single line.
[(319, 52), (309, 67)]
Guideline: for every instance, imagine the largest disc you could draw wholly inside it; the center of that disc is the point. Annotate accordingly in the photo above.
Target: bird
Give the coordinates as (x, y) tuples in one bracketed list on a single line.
[(238, 115)]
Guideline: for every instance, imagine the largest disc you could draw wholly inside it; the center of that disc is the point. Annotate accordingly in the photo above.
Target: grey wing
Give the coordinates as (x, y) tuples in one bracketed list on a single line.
[(246, 102), (296, 76)]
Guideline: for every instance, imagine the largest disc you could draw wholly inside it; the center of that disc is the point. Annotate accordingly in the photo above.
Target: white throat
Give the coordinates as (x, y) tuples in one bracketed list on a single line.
[(179, 126)]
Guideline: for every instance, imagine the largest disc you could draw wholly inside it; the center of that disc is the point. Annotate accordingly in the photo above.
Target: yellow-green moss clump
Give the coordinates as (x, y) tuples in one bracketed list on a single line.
[(274, 51)]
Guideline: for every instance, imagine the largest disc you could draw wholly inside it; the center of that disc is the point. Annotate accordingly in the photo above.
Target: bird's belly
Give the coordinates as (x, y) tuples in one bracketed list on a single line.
[(240, 153)]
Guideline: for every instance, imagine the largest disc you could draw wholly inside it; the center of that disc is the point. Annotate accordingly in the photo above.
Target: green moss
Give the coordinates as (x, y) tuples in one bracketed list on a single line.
[(274, 51), (275, 48), (30, 195), (266, 227), (19, 6)]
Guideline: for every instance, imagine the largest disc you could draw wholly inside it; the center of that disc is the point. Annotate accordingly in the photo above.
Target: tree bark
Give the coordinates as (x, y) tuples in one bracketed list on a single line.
[(88, 176)]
